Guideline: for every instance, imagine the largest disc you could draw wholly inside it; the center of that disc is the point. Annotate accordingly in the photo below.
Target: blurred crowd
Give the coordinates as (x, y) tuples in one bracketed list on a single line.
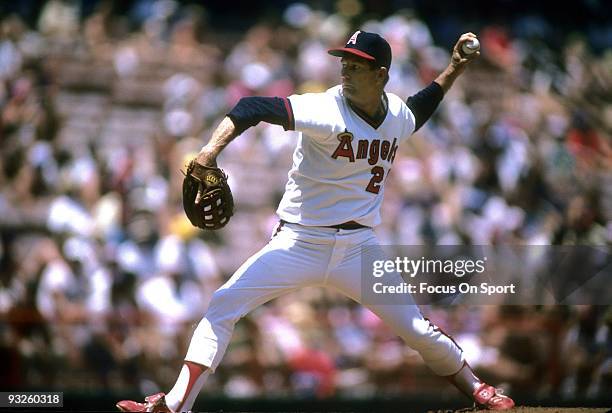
[(102, 278)]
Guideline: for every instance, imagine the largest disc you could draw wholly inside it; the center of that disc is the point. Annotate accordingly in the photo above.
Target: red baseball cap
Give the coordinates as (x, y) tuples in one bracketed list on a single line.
[(369, 46)]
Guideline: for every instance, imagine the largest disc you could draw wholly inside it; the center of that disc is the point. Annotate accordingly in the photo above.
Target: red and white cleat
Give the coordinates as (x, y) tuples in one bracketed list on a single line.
[(491, 398), (154, 404)]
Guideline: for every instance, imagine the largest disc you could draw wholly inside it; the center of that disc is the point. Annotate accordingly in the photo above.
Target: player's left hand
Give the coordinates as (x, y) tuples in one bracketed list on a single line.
[(207, 197), (206, 157)]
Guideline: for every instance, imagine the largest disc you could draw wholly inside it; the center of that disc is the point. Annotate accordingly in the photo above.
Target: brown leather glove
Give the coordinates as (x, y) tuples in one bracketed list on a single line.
[(207, 198)]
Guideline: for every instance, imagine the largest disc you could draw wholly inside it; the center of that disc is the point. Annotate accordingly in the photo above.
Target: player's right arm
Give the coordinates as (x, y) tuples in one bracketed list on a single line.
[(424, 103), (248, 112), (457, 64)]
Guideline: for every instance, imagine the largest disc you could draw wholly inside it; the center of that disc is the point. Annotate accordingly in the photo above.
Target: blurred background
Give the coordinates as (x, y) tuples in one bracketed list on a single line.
[(102, 278)]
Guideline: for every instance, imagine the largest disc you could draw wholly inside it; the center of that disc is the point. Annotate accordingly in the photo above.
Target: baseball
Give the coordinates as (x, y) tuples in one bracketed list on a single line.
[(470, 46)]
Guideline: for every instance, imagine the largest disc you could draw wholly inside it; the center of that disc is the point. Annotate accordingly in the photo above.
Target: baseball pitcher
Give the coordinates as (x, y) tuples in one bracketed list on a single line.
[(349, 137)]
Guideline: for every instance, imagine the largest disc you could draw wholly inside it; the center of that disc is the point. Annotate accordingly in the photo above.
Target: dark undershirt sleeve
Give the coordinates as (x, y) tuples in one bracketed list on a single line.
[(424, 103), (249, 111)]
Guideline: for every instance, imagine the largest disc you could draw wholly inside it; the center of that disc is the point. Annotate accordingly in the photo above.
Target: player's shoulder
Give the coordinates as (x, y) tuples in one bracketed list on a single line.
[(335, 92), (310, 105), (329, 95), (395, 102), (399, 110), (397, 106)]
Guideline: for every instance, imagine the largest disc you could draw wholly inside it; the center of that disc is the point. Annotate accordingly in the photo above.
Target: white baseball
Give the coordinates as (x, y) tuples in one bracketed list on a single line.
[(471, 46)]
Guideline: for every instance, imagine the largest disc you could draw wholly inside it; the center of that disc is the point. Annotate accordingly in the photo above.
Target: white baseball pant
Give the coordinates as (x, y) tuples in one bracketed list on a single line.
[(299, 256)]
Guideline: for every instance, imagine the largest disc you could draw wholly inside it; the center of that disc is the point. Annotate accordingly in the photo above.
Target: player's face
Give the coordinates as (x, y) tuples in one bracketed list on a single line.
[(360, 82)]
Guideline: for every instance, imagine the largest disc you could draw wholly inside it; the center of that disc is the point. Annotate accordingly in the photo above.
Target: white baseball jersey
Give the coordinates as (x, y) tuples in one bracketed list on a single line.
[(341, 162)]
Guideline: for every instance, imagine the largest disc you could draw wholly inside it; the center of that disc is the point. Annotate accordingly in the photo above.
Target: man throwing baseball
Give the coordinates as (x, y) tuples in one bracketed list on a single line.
[(348, 142)]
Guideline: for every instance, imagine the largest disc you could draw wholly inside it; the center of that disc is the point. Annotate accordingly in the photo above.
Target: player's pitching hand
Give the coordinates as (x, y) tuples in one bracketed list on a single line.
[(460, 58)]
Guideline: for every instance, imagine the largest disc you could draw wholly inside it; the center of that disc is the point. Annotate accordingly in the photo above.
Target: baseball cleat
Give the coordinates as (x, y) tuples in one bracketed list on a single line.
[(154, 404), (491, 398)]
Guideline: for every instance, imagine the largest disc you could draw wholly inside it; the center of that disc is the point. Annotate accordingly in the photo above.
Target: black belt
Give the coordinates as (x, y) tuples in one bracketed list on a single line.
[(347, 225)]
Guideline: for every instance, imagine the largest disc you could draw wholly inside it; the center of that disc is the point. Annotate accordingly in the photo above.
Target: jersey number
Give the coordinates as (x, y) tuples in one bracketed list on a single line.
[(378, 173)]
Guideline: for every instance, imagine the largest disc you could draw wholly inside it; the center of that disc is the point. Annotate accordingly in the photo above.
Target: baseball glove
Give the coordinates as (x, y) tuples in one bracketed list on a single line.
[(207, 198)]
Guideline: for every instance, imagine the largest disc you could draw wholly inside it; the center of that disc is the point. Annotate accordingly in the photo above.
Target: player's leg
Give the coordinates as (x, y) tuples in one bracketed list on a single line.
[(439, 351), (285, 264)]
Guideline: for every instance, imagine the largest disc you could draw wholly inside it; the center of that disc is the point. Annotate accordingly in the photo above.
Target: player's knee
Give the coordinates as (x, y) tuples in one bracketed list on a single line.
[(420, 334), (220, 301), (223, 307)]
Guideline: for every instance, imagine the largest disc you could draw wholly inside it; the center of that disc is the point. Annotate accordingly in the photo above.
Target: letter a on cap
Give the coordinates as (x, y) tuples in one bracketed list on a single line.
[(353, 38)]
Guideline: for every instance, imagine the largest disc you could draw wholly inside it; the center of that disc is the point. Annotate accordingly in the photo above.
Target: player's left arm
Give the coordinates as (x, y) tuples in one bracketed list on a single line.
[(424, 103)]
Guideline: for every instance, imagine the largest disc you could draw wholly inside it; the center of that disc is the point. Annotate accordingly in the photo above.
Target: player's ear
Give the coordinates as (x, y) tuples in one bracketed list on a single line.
[(383, 75)]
